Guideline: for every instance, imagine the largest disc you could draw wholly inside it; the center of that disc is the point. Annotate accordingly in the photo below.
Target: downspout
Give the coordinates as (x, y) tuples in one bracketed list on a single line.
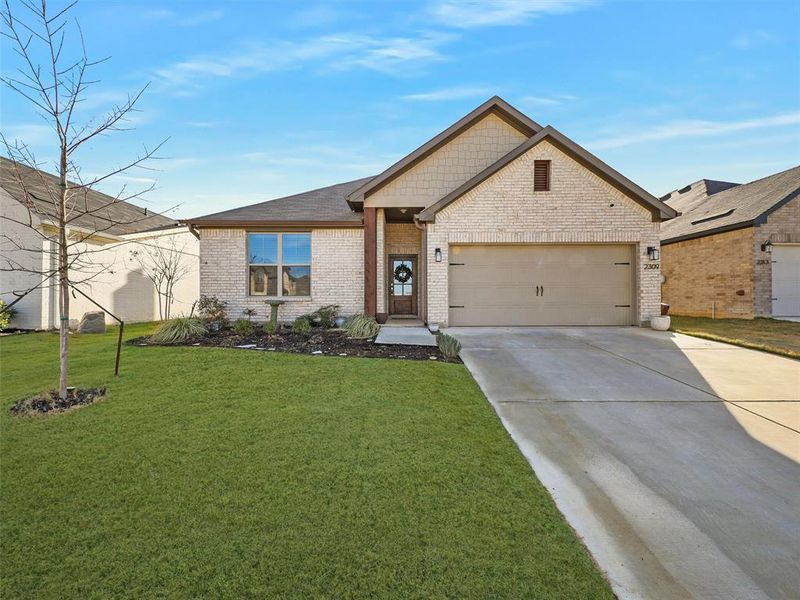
[(193, 231)]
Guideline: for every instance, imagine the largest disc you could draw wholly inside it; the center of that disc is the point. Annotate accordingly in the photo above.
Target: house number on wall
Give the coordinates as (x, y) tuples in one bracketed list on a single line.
[(651, 266)]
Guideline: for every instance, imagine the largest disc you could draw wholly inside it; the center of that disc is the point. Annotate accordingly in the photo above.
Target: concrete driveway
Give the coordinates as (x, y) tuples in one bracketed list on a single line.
[(676, 459)]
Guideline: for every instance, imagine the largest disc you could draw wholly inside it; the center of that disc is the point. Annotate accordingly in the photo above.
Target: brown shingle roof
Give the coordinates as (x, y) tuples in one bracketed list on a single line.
[(739, 206), (323, 206), (102, 213), (691, 196)]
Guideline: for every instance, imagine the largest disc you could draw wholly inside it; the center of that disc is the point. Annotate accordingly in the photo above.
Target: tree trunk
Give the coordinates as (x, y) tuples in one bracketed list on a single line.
[(63, 278)]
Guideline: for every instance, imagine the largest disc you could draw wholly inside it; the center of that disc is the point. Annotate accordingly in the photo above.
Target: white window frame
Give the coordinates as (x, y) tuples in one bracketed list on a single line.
[(279, 264)]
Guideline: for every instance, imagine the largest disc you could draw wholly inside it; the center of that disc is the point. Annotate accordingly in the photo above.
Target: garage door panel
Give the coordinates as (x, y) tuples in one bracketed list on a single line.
[(540, 285), (786, 280)]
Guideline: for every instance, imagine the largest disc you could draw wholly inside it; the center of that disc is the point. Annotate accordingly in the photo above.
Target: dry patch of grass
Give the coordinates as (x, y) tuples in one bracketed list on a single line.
[(769, 335)]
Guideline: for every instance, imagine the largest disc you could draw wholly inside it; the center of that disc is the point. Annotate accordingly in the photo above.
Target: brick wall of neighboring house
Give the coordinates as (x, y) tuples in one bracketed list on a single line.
[(401, 238), (580, 208), (708, 270), (450, 166), (782, 226), (337, 272)]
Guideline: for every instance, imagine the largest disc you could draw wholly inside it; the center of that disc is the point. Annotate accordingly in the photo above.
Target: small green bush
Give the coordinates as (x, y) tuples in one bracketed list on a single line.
[(301, 325), (6, 314), (325, 316), (362, 327), (178, 330), (448, 345), (243, 327), (270, 328), (213, 310)]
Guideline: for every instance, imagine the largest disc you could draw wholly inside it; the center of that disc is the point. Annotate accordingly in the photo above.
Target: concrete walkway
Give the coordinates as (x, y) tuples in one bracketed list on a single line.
[(674, 458), (406, 336)]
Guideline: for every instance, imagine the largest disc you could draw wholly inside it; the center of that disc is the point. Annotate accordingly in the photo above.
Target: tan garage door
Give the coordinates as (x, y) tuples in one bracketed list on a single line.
[(541, 285), (785, 280)]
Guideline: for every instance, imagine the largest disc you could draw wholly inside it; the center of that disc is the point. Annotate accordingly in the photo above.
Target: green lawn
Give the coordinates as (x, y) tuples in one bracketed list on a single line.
[(770, 335), (214, 473)]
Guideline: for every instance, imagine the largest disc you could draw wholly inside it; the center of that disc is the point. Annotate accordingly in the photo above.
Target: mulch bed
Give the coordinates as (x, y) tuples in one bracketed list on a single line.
[(49, 402), (328, 342)]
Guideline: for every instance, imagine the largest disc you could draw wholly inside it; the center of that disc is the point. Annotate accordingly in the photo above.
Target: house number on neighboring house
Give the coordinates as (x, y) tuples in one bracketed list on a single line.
[(763, 261), (651, 266)]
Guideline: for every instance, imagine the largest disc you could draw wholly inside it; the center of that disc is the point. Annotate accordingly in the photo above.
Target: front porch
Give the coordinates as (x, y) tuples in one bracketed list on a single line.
[(394, 265)]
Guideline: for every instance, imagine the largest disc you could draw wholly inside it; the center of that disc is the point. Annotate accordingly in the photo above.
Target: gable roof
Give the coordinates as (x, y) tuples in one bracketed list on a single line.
[(103, 214), (494, 105), (658, 209), (321, 207), (734, 208)]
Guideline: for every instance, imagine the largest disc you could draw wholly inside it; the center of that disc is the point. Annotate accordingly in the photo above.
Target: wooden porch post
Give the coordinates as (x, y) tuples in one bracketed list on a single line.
[(370, 260)]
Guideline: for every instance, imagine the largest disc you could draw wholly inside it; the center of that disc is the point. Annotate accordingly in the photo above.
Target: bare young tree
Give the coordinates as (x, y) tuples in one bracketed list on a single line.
[(54, 76), (163, 264)]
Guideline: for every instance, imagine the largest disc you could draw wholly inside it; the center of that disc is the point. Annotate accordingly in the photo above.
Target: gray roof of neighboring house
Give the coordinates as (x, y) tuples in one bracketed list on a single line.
[(325, 205), (102, 214), (733, 208), (691, 196)]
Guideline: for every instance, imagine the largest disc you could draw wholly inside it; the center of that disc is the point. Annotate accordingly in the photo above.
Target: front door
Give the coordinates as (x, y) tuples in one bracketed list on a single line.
[(403, 285)]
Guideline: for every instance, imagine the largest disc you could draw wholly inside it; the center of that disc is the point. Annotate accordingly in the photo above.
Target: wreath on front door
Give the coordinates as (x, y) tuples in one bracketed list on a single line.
[(402, 273)]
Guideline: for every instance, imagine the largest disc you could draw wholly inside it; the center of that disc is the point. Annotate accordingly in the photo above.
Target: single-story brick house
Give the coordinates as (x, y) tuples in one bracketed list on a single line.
[(494, 221), (735, 249)]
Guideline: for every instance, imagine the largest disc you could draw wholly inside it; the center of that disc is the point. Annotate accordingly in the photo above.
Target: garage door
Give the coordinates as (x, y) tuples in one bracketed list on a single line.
[(540, 285), (785, 280)]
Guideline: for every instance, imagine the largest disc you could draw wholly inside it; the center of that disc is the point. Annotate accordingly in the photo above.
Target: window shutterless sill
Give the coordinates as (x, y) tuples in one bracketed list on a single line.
[(281, 298)]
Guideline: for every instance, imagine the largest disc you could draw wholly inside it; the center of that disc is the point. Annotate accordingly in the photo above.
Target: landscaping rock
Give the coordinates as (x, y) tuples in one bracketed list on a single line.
[(93, 322)]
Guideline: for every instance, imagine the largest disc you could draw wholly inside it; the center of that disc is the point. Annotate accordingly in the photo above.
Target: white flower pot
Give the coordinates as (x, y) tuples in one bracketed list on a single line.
[(660, 323)]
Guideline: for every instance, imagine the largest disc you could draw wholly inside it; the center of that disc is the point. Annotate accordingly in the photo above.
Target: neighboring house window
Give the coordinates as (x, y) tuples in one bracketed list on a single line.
[(279, 263), (541, 176)]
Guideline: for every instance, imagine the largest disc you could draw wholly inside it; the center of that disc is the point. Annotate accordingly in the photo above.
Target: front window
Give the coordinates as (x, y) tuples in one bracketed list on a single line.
[(279, 263)]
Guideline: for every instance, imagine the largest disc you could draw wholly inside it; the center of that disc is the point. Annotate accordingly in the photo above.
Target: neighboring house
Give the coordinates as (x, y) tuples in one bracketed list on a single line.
[(495, 221), (735, 249), (124, 236)]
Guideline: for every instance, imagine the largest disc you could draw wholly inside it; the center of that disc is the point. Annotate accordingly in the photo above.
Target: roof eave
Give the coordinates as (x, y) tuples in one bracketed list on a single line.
[(266, 223), (658, 209), (707, 232)]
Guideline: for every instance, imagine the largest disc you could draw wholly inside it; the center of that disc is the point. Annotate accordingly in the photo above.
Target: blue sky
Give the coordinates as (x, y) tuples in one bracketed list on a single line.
[(264, 99)]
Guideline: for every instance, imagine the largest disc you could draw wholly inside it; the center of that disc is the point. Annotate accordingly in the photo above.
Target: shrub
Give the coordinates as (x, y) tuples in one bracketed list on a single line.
[(244, 327), (213, 310), (6, 314), (362, 326), (301, 325), (325, 316), (178, 330), (270, 328), (448, 345)]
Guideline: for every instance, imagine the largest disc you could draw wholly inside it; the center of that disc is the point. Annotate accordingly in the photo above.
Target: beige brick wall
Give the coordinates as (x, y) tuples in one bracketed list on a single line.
[(580, 208), (337, 274), (380, 240), (782, 226), (450, 166), (703, 275)]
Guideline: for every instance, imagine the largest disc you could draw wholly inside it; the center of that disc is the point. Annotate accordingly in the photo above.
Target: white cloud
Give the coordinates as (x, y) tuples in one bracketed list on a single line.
[(694, 128), (393, 55), (184, 19), (453, 93), (32, 134), (753, 39), (471, 13), (553, 100)]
